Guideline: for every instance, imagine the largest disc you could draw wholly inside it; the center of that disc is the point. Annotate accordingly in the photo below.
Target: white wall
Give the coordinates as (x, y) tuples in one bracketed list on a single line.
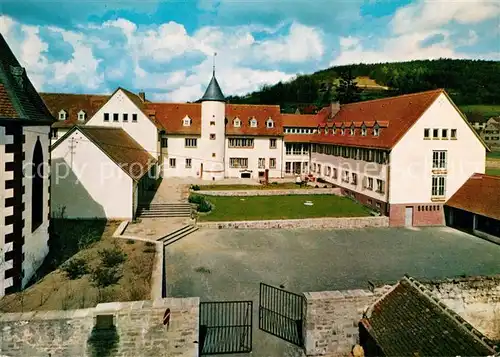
[(143, 131), (360, 167), (213, 165), (89, 183), (4, 157), (260, 150), (411, 158), (60, 133), (35, 243), (177, 150)]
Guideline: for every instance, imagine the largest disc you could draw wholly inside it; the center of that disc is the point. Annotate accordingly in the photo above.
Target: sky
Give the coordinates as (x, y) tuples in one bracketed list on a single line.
[(166, 47)]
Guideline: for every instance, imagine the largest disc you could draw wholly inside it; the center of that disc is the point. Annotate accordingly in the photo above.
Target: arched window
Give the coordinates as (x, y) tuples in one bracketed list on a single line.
[(270, 123), (253, 123), (37, 186)]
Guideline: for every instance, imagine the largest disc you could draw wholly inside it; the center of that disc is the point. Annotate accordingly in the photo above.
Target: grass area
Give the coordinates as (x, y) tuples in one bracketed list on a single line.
[(277, 186), (484, 109), (495, 155), (493, 171), (55, 290), (281, 207)]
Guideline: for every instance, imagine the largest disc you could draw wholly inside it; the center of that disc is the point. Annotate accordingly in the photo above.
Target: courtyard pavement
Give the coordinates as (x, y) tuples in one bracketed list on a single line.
[(229, 264)]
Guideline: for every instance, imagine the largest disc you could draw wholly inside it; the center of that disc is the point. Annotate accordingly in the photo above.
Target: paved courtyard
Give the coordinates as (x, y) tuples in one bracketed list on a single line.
[(230, 264)]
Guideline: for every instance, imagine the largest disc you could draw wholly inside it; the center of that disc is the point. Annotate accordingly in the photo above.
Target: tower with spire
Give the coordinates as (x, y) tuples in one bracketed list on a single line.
[(213, 117)]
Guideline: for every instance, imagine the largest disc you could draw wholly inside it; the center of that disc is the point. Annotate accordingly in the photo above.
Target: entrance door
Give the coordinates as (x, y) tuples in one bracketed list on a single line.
[(409, 216)]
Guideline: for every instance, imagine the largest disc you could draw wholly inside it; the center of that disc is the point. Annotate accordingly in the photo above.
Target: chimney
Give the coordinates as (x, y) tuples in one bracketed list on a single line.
[(334, 109), (142, 95)]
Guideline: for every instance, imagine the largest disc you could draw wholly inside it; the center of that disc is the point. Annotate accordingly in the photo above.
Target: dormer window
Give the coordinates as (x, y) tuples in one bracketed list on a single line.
[(376, 130), (63, 115), (237, 123), (186, 121), (363, 130), (352, 130), (342, 130), (270, 123), (81, 115), (253, 123), (334, 129)]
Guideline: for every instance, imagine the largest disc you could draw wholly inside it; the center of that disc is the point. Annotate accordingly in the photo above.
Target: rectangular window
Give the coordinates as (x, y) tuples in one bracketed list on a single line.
[(319, 169), (297, 149), (345, 176), (334, 173), (370, 183), (125, 117), (354, 179), (288, 149), (172, 162), (212, 123), (444, 134), (262, 163), (212, 136), (288, 167), (435, 133), (240, 143), (115, 116), (272, 163), (272, 143), (164, 142), (190, 142), (439, 159), (238, 162), (188, 163), (453, 133), (55, 134), (438, 186), (134, 117), (106, 116), (427, 133), (380, 186)]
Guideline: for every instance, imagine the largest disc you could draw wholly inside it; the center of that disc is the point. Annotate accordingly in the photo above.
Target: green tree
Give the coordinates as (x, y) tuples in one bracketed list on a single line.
[(347, 90)]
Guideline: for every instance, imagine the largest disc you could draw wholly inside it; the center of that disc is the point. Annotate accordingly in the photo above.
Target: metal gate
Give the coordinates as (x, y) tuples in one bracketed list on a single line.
[(281, 314), (225, 327)]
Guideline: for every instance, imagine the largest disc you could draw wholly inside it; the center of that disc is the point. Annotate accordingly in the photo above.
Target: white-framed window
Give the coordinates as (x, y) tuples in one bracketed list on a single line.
[(106, 116), (134, 118), (352, 130), (188, 163), (354, 180), (345, 176), (190, 142), (334, 175), (439, 159), (237, 122), (116, 117), (427, 133), (55, 133), (238, 162), (314, 167), (164, 142), (125, 117), (272, 163), (288, 167), (369, 183), (212, 136), (171, 162), (444, 133), (253, 123), (319, 169), (328, 171), (326, 130), (438, 185), (376, 130), (186, 121), (212, 123), (272, 144), (262, 163), (81, 115), (380, 186), (363, 130), (435, 133), (241, 142), (270, 123), (63, 115), (342, 131), (453, 134)]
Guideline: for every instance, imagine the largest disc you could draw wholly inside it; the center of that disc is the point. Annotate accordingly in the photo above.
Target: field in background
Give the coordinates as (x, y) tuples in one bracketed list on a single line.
[(282, 207), (484, 109)]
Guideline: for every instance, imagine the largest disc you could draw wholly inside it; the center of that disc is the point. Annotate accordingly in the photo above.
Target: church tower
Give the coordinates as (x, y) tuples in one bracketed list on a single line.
[(213, 124)]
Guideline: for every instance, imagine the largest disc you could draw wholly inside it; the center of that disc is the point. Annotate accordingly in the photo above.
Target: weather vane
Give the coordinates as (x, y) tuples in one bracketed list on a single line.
[(215, 54)]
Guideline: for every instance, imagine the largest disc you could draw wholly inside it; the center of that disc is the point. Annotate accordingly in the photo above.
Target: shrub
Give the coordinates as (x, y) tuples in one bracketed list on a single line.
[(204, 206), (195, 187), (194, 198), (112, 257), (102, 276), (75, 268), (274, 183)]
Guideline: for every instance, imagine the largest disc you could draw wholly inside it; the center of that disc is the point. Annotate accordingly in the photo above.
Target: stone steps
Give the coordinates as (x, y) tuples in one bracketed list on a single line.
[(180, 233), (165, 210)]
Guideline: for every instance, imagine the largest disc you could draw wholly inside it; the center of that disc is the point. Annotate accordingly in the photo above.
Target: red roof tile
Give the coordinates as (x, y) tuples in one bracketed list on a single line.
[(6, 108), (169, 116), (72, 104), (480, 194), (301, 120), (260, 112), (395, 115)]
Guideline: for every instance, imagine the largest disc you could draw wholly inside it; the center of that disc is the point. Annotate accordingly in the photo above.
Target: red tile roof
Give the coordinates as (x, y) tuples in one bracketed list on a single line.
[(72, 104), (6, 108), (301, 120), (169, 117), (395, 115), (246, 112), (480, 194)]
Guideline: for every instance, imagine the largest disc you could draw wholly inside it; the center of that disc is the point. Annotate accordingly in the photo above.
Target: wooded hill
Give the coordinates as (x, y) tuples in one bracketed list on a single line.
[(469, 82)]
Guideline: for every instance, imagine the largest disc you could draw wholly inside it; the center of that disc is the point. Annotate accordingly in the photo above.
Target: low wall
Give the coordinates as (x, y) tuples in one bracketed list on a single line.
[(312, 191), (331, 322), (311, 223), (139, 331)]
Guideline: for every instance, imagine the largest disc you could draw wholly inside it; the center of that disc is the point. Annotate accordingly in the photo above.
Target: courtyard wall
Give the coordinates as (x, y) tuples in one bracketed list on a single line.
[(240, 193)]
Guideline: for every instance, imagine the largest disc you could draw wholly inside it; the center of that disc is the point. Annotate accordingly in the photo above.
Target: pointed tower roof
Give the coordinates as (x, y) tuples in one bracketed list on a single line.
[(213, 92)]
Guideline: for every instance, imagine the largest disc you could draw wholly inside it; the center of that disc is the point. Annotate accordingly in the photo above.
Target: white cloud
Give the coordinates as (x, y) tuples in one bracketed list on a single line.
[(349, 43), (429, 15), (5, 24)]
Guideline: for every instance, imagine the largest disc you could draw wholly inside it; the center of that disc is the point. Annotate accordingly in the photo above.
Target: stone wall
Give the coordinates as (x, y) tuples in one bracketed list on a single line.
[(139, 331), (476, 299), (312, 191), (311, 223), (331, 322)]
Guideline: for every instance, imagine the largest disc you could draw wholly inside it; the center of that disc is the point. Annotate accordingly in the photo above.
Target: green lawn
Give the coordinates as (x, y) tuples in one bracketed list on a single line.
[(493, 171), (493, 155), (282, 207), (277, 186), (484, 109)]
